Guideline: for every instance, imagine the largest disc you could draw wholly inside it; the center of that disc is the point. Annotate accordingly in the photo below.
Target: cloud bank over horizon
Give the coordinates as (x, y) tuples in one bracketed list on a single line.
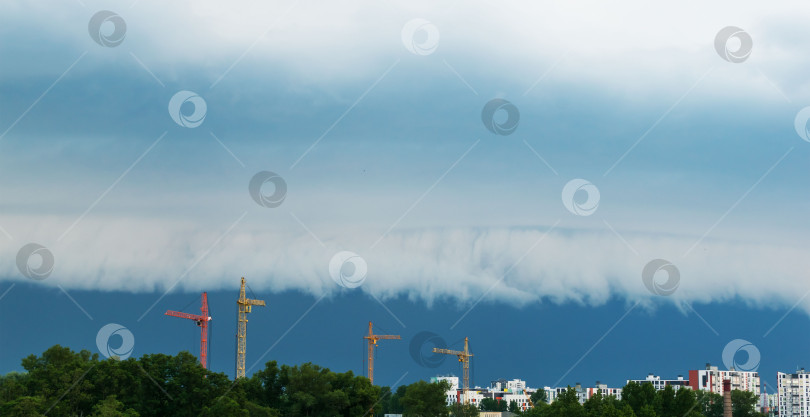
[(514, 266)]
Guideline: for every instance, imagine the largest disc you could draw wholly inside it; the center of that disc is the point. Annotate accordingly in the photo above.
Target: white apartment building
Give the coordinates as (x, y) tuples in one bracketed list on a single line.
[(517, 391), (770, 403), (553, 393), (793, 394), (603, 388), (501, 390), (659, 384), (512, 390), (583, 393), (452, 395), (711, 380)]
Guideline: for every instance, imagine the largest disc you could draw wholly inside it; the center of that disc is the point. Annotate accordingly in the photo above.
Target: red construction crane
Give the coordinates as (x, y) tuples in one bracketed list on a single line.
[(202, 321)]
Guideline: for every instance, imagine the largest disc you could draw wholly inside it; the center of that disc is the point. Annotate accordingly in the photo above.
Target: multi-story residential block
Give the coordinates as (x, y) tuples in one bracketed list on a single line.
[(583, 393), (501, 390), (659, 384), (604, 390), (553, 393), (711, 380), (453, 394), (769, 404), (793, 394), (512, 390)]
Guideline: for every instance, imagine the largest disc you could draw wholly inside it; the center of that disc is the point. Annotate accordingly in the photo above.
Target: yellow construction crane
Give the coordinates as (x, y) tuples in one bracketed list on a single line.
[(241, 337), (463, 357), (372, 343)]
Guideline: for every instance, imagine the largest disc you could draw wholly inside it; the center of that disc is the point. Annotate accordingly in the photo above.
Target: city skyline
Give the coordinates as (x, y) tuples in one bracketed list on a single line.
[(570, 357)]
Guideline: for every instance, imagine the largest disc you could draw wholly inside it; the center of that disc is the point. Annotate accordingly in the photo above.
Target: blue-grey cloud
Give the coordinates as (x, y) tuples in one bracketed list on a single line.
[(680, 143)]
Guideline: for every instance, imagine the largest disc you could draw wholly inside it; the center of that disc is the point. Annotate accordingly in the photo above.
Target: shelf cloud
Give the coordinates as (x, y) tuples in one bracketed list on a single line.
[(514, 266)]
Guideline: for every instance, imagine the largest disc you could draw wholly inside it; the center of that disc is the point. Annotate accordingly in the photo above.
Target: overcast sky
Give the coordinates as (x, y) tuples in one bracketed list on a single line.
[(371, 113)]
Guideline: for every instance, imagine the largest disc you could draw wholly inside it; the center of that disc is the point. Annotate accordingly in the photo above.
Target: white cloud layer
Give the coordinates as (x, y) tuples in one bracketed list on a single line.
[(507, 265), (629, 47)]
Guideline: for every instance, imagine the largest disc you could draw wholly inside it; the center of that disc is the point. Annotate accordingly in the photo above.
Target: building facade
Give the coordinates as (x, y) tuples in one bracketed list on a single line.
[(793, 394), (770, 403), (659, 384), (604, 390), (500, 390), (583, 393), (453, 395), (711, 380)]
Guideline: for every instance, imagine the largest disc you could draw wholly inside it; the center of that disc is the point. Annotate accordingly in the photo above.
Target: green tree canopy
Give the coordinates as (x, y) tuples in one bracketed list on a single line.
[(425, 399), (64, 383)]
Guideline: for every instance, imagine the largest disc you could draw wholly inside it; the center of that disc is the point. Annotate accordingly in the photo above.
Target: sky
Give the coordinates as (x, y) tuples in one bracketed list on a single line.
[(547, 178)]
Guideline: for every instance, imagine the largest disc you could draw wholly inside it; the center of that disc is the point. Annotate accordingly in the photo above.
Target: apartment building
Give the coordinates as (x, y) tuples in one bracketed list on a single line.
[(659, 384), (793, 393), (711, 380)]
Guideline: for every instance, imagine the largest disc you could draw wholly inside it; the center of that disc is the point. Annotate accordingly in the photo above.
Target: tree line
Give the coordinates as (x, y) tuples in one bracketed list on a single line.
[(64, 383), (643, 400)]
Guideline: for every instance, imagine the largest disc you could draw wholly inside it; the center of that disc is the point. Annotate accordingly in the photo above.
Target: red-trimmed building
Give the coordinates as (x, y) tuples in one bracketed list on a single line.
[(711, 380)]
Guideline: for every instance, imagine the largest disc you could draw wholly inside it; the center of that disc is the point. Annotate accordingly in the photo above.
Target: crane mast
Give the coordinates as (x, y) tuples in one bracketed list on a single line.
[(202, 321), (372, 343), (245, 305), (463, 357)]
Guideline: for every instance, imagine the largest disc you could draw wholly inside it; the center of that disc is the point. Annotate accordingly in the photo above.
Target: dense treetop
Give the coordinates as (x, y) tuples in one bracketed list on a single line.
[(64, 383)]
